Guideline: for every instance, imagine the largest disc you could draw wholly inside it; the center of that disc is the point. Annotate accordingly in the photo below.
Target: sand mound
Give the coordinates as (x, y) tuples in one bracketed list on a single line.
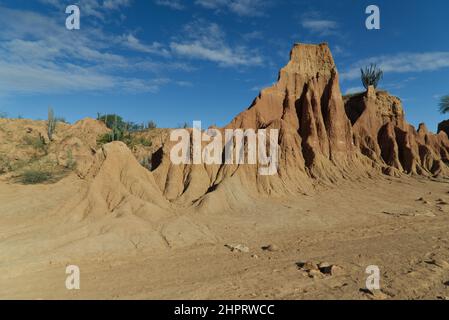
[(119, 185)]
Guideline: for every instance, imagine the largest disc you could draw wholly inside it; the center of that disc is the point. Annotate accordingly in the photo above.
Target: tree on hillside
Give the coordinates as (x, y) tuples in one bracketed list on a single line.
[(112, 121), (371, 76), (444, 104), (151, 124)]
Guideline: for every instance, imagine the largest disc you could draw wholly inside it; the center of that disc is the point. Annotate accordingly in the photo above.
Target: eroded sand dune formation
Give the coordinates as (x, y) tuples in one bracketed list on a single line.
[(323, 138)]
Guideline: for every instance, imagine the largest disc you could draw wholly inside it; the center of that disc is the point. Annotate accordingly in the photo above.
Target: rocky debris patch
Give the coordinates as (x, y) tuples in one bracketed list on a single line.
[(423, 200), (237, 248), (412, 213), (438, 262), (320, 270), (375, 294)]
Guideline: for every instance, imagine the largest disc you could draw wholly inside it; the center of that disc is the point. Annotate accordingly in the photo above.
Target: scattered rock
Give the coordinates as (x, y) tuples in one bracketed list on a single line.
[(439, 263), (237, 248), (375, 294), (255, 256), (315, 274), (309, 265), (446, 283), (336, 270), (271, 248), (323, 268)]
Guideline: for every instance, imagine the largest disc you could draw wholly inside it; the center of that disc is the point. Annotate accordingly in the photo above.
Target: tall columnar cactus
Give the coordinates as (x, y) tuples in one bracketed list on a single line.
[(51, 123)]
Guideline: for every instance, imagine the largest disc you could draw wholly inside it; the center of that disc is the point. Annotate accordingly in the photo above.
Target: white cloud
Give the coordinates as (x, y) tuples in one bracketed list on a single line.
[(38, 55), (254, 35), (319, 26), (239, 7), (94, 8), (315, 23), (401, 63), (132, 42), (172, 4), (207, 41), (353, 90)]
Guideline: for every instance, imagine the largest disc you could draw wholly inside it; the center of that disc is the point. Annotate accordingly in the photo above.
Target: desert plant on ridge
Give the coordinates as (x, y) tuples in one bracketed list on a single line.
[(51, 123), (371, 75), (152, 124), (444, 104)]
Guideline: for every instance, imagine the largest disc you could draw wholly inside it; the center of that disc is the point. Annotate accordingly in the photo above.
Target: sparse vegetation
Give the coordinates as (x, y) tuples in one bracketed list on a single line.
[(36, 142), (184, 125), (152, 125), (444, 104), (122, 131), (71, 162), (112, 121), (371, 76), (61, 119), (35, 176), (51, 124)]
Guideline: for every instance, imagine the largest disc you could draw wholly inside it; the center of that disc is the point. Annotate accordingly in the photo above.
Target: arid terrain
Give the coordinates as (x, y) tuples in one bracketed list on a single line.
[(379, 221), (356, 186)]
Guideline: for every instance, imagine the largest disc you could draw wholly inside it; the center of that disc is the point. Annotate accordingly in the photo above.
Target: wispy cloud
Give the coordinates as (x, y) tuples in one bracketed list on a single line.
[(38, 55), (94, 8), (239, 7), (315, 23), (172, 4), (353, 90), (207, 41), (401, 63), (132, 42)]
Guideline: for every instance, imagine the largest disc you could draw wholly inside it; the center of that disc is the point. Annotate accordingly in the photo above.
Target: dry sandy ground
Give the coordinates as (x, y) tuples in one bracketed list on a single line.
[(374, 222)]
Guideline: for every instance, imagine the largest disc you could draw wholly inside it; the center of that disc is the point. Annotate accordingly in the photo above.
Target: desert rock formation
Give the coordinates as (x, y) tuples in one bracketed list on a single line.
[(323, 137), (383, 135)]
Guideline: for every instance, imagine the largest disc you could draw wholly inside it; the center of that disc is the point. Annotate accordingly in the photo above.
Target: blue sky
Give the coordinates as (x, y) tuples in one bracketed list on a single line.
[(176, 61)]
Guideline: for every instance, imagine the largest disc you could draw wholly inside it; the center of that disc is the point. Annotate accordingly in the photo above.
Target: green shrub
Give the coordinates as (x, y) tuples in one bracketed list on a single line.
[(35, 176), (35, 142), (112, 121), (71, 162), (144, 142), (152, 124)]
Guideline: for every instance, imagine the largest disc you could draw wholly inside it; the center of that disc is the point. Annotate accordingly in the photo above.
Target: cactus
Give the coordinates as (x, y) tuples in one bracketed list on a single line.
[(444, 104), (371, 76), (51, 124)]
